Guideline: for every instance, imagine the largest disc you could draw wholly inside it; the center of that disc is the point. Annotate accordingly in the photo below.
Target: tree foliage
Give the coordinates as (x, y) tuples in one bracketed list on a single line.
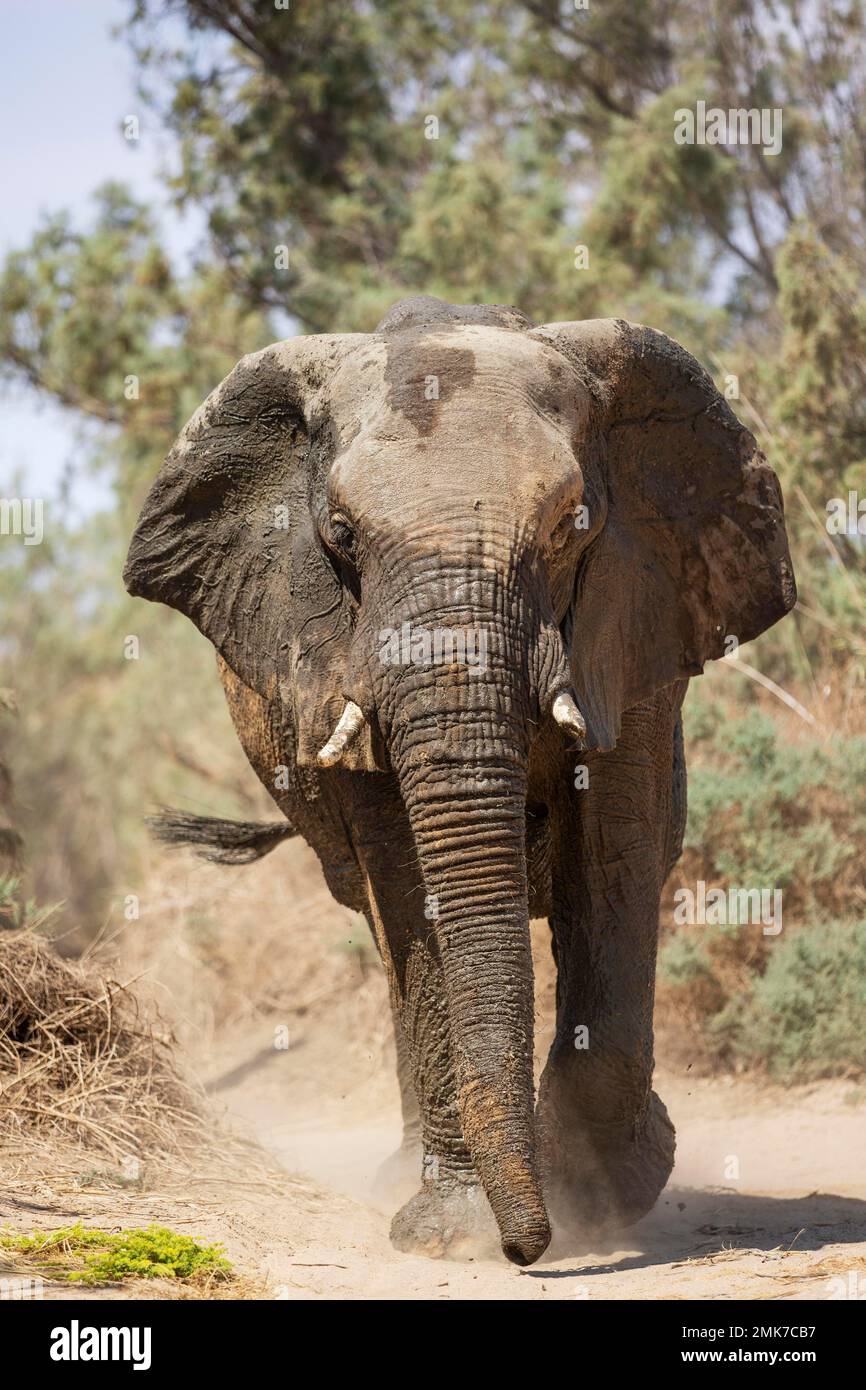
[(517, 151)]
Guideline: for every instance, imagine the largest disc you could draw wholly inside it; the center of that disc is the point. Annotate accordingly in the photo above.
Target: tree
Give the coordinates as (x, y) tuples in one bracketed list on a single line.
[(517, 151)]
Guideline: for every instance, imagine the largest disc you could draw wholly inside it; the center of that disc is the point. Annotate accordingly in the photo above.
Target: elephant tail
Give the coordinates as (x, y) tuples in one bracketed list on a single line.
[(220, 841)]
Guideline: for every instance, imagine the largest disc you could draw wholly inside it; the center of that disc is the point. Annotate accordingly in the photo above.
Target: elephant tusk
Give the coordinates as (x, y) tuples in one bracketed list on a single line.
[(349, 724), (567, 715)]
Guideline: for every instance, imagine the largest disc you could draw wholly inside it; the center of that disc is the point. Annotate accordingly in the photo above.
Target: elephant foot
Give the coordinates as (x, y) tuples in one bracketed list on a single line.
[(397, 1176), (446, 1219), (597, 1180)]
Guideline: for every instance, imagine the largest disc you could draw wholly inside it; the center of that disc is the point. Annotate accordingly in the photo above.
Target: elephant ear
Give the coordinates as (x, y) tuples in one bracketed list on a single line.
[(226, 534), (693, 550)]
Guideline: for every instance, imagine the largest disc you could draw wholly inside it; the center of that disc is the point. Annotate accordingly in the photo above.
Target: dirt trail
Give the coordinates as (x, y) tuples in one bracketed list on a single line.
[(768, 1199), (792, 1224)]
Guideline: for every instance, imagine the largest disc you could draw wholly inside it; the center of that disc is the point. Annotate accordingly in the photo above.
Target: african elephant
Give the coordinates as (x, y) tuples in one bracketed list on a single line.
[(458, 572)]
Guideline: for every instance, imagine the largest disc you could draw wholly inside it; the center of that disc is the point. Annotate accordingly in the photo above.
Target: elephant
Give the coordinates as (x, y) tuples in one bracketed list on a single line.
[(458, 572)]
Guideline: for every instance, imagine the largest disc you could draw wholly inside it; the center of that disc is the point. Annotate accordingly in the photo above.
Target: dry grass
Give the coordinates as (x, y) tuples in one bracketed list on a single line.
[(82, 1064), (217, 958)]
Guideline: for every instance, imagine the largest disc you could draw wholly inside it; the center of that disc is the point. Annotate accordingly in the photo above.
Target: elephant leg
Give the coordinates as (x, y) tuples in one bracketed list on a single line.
[(409, 1110), (397, 1177), (408, 1099), (607, 1142), (449, 1206)]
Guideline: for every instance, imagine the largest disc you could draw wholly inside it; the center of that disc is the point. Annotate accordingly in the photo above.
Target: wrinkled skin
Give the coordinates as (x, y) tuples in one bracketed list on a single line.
[(582, 495)]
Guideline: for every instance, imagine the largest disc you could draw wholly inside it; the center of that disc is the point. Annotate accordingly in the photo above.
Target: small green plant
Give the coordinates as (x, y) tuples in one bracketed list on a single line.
[(804, 1017), (796, 1013), (16, 912), (770, 814), (100, 1257)]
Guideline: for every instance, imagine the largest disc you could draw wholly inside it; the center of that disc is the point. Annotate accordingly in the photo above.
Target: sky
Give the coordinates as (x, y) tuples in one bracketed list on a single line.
[(65, 87)]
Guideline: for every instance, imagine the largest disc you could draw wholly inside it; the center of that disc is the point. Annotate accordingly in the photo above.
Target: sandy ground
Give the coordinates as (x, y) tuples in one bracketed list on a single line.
[(767, 1201), (791, 1225)]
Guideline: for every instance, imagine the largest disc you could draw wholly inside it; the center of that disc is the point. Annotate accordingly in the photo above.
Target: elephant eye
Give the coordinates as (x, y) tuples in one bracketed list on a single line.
[(563, 533), (342, 535)]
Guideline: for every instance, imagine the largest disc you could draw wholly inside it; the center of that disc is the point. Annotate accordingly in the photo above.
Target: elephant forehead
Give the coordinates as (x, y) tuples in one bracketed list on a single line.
[(470, 411), (526, 467), (414, 385)]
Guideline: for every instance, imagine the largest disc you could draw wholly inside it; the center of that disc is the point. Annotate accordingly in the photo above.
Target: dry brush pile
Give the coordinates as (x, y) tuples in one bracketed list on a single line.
[(84, 1068)]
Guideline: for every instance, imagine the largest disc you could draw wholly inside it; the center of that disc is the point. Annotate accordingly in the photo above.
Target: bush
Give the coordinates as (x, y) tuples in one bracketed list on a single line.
[(805, 1017), (98, 1257), (796, 1012), (769, 813)]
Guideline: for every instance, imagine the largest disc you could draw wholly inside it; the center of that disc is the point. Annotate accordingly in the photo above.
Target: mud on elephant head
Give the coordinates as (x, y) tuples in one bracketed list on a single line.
[(573, 505)]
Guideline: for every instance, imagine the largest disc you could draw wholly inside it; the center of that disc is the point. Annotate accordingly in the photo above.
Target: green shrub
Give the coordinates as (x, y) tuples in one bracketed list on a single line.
[(768, 813), (101, 1258), (805, 1016), (796, 1009)]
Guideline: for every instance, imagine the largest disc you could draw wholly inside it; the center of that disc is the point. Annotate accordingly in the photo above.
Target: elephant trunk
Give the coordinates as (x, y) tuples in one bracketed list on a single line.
[(459, 731), (468, 820)]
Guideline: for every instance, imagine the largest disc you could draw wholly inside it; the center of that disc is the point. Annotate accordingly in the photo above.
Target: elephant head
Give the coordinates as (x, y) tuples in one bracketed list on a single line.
[(430, 541)]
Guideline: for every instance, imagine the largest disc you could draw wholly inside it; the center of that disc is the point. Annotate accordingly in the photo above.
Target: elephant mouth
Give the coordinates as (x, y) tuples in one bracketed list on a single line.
[(563, 708), (539, 855)]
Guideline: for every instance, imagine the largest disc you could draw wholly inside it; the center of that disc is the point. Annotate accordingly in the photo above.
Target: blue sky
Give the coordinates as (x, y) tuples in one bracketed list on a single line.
[(65, 87)]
